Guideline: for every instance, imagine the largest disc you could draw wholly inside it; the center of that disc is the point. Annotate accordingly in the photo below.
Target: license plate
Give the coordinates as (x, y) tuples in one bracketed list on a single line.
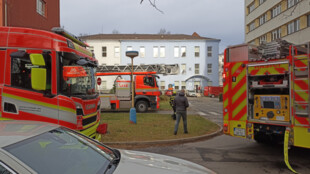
[(239, 132)]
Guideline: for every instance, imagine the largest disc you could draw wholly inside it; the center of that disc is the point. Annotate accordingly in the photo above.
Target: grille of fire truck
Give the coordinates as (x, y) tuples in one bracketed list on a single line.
[(171, 69), (301, 85), (89, 120)]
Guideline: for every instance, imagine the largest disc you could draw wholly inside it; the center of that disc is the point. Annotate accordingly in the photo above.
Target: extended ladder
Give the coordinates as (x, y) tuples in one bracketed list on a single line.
[(171, 69)]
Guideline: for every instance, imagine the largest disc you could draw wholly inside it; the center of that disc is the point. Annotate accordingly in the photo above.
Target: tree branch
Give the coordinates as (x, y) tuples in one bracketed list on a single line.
[(153, 4)]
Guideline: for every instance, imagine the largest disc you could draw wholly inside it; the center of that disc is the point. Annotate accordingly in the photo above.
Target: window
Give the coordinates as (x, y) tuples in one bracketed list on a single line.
[(183, 85), (308, 20), (251, 7), (41, 7), (252, 26), (293, 26), (263, 19), (155, 51), (116, 52), (5, 170), (276, 34), (162, 85), (183, 51), (176, 52), (21, 70), (209, 51), (291, 3), (262, 39), (129, 48), (197, 51), (196, 68), (91, 49), (104, 51), (261, 1), (142, 52), (209, 68), (162, 51), (276, 11), (183, 69), (210, 83), (176, 85)]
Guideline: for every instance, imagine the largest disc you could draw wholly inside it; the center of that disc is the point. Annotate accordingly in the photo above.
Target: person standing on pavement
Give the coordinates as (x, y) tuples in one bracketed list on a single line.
[(181, 104)]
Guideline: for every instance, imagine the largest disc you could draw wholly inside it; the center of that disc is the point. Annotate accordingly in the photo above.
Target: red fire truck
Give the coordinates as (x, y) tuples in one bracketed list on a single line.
[(266, 93), (48, 76), (146, 89)]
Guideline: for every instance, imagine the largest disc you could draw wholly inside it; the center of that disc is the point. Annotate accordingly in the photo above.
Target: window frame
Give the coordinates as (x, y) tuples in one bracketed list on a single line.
[(117, 53), (209, 51), (183, 70), (162, 51), (41, 7), (197, 52), (251, 7), (183, 51), (142, 52), (104, 51), (197, 69), (176, 51), (176, 85), (155, 51), (209, 68)]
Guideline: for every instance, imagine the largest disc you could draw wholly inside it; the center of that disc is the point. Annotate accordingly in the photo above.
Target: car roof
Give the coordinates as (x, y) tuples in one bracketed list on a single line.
[(13, 131)]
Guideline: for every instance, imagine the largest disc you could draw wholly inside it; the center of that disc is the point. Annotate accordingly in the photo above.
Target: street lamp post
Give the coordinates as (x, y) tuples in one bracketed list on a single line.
[(132, 113)]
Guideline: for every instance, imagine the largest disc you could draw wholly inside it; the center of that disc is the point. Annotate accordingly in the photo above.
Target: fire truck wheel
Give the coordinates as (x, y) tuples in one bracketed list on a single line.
[(141, 106)]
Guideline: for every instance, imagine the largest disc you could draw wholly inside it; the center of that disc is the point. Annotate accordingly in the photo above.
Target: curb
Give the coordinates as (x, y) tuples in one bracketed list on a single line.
[(137, 144)]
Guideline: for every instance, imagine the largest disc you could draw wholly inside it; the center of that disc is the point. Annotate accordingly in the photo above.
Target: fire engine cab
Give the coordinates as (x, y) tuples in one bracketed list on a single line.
[(48, 76)]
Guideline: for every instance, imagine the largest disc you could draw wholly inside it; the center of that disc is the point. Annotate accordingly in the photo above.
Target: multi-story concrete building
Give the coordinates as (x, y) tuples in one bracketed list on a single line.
[(197, 56), (39, 14), (267, 20)]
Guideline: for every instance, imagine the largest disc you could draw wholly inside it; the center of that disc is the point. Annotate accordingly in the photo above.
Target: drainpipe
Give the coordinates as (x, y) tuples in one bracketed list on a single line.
[(5, 13)]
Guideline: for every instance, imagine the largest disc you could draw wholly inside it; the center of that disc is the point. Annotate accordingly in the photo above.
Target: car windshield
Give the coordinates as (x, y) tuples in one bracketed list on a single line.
[(62, 151), (77, 80)]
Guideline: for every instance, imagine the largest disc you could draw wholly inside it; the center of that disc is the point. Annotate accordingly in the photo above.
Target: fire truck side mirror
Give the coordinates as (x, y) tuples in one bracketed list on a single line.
[(38, 73)]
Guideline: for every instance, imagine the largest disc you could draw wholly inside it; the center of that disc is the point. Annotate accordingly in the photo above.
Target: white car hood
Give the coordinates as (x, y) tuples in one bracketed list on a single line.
[(150, 163)]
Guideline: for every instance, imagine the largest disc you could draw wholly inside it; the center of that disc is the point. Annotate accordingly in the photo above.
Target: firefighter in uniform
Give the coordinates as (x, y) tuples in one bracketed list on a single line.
[(173, 116)]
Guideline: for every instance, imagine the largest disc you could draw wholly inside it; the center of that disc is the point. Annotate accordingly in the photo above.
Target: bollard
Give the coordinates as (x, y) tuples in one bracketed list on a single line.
[(133, 116)]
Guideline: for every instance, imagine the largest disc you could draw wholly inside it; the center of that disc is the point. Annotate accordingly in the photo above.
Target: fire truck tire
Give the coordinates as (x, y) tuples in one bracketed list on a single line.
[(142, 106)]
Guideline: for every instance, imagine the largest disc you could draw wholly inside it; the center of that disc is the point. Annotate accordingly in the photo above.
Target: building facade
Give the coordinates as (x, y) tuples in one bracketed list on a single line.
[(39, 14), (221, 64), (267, 20), (196, 56)]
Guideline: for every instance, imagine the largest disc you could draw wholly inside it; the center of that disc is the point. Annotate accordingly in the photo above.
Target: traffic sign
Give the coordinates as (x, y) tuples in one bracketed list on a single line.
[(98, 81)]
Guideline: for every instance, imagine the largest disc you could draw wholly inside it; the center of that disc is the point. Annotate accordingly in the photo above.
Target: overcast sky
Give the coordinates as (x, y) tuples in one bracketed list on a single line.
[(220, 19)]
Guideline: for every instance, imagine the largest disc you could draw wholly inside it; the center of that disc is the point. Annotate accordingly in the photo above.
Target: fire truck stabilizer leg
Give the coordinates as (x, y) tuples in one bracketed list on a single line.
[(286, 144)]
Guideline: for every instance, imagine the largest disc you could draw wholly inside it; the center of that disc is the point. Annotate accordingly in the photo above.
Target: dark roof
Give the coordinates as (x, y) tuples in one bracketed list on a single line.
[(195, 36)]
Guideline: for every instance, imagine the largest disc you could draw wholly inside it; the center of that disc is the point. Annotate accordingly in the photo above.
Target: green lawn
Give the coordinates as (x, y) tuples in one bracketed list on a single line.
[(151, 127)]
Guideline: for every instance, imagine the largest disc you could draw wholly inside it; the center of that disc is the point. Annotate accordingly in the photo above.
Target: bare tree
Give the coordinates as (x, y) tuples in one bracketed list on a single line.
[(163, 31), (153, 3), (115, 31)]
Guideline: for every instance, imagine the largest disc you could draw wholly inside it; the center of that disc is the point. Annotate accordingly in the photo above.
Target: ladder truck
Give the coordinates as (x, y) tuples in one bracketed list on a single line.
[(266, 93), (146, 89)]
